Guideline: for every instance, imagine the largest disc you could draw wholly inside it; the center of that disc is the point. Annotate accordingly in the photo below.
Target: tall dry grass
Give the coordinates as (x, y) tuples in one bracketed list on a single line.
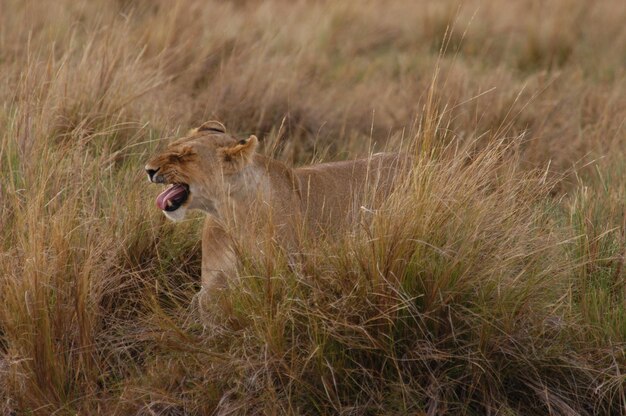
[(492, 283)]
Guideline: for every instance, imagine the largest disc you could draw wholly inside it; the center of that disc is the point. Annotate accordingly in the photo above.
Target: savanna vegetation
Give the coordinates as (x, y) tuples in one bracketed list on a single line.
[(493, 282)]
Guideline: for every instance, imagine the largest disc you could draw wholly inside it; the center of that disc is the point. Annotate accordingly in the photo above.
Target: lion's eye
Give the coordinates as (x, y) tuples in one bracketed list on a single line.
[(176, 158), (181, 155)]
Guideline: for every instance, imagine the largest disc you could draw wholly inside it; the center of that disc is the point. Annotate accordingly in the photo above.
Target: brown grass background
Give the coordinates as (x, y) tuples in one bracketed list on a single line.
[(495, 284)]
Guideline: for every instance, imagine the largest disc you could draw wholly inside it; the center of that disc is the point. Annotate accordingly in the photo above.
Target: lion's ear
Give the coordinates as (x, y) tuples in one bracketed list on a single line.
[(210, 126), (241, 153)]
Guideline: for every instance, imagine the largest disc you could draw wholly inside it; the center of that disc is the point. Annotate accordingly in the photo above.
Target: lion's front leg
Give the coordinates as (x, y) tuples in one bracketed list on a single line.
[(219, 262)]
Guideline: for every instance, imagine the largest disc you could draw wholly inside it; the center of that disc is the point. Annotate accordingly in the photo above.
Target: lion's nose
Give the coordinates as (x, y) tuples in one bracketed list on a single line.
[(151, 173)]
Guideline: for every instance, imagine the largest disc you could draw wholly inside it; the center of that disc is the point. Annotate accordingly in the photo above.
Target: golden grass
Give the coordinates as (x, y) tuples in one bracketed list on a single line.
[(493, 283)]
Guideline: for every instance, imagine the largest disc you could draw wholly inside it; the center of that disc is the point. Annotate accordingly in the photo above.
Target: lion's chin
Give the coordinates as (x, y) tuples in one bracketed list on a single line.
[(176, 215)]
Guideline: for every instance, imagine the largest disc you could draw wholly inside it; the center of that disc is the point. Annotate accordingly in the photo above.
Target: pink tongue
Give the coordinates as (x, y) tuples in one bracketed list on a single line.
[(169, 194)]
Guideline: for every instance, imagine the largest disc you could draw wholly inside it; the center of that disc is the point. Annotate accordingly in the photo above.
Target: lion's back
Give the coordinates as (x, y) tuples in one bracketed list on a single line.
[(333, 194)]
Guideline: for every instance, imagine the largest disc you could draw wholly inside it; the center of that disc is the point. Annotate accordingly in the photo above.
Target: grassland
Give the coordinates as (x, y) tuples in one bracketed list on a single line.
[(494, 283)]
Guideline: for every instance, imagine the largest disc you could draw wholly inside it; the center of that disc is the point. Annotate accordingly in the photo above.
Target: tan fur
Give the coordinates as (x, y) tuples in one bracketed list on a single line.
[(251, 198)]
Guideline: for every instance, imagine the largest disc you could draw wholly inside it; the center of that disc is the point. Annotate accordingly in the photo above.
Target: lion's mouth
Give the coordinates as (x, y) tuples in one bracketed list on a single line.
[(173, 197)]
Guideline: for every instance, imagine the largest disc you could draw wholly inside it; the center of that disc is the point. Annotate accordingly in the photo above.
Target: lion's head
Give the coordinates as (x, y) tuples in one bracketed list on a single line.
[(199, 168)]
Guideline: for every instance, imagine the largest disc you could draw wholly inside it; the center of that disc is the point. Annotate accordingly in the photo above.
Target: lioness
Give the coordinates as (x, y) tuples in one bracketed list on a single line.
[(242, 192)]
